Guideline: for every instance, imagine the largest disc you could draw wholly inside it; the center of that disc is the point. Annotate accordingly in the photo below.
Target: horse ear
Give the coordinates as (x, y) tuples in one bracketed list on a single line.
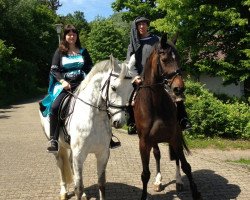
[(163, 40), (174, 39), (111, 57)]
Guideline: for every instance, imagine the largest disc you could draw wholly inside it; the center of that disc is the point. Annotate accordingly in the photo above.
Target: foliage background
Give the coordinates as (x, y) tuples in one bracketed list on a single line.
[(214, 38)]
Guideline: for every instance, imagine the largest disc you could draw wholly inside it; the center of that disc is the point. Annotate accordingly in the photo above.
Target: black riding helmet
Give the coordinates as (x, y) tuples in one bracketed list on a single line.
[(142, 19)]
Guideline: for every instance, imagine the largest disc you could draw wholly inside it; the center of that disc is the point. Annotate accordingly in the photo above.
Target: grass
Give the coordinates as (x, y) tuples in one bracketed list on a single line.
[(215, 143), (218, 143), (243, 161), (221, 144)]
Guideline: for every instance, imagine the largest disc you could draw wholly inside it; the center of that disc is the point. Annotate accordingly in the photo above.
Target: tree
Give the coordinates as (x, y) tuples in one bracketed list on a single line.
[(214, 35), (135, 8), (27, 30), (78, 20), (105, 39), (52, 4)]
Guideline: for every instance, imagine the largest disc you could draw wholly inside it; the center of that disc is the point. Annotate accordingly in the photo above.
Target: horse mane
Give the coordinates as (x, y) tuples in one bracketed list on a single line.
[(100, 67)]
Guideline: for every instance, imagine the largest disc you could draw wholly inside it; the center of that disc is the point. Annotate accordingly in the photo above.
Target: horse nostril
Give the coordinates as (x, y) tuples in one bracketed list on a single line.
[(116, 124), (178, 90)]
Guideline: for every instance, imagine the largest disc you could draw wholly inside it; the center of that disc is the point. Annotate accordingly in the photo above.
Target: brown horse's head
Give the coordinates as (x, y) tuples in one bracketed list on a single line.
[(166, 63)]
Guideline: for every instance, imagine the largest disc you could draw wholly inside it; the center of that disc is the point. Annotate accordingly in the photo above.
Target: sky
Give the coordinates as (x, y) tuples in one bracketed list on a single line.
[(90, 8)]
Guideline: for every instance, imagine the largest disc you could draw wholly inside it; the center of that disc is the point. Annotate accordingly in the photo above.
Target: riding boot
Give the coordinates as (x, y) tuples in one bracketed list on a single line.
[(131, 121), (53, 148), (114, 144), (182, 116)]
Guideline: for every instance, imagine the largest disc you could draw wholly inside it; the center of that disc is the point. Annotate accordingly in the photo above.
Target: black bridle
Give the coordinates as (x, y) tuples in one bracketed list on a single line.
[(165, 78), (108, 103)]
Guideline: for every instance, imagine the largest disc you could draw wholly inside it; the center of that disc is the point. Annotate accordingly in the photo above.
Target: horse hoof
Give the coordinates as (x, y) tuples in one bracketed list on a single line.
[(198, 196), (179, 187), (64, 196), (84, 197), (157, 187)]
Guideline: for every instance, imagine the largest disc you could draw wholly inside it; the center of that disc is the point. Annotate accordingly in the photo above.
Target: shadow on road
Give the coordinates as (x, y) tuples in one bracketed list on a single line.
[(211, 185)]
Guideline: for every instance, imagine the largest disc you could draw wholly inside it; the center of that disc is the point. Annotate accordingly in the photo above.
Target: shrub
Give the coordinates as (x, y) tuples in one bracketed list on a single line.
[(211, 117)]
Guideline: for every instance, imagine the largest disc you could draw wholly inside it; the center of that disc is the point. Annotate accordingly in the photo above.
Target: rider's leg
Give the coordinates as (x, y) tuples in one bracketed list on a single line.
[(131, 121), (182, 115), (54, 123)]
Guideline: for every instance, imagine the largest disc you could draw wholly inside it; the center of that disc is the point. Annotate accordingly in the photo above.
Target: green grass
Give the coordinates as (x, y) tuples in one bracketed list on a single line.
[(215, 143), (242, 161), (218, 143)]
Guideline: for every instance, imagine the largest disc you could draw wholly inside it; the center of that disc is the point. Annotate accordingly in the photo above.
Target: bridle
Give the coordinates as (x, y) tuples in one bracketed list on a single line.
[(108, 103), (166, 79)]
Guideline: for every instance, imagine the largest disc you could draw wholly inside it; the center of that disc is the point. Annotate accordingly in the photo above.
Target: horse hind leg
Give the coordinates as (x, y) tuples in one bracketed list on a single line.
[(158, 178), (179, 182), (102, 160), (186, 168), (66, 175)]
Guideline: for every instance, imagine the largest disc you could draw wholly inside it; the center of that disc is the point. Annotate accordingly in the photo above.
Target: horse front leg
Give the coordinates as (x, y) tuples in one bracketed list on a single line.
[(78, 159), (145, 176), (158, 178), (102, 160)]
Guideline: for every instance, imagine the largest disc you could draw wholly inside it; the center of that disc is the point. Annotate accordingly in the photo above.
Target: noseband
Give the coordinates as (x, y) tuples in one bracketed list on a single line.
[(107, 100)]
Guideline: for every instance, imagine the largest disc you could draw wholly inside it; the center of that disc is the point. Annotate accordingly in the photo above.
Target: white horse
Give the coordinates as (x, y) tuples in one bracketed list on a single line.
[(98, 103)]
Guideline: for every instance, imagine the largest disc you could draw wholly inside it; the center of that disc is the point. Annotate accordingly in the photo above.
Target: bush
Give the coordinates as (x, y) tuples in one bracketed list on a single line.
[(211, 117), (17, 77)]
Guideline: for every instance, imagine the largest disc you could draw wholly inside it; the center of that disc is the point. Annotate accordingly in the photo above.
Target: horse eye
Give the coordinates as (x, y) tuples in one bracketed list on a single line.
[(113, 87), (173, 55)]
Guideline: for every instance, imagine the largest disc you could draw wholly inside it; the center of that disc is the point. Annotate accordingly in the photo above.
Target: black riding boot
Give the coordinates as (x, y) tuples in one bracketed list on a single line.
[(131, 121), (53, 148), (182, 116)]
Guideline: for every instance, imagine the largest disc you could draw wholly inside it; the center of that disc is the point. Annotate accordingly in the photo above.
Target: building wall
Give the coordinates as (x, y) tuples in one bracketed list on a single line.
[(215, 85)]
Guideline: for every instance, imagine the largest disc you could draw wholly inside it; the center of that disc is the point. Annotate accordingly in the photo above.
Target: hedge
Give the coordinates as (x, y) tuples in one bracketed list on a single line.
[(212, 117)]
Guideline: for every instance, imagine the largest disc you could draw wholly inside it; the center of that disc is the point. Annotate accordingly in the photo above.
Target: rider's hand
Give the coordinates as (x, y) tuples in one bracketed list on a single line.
[(137, 80), (65, 85)]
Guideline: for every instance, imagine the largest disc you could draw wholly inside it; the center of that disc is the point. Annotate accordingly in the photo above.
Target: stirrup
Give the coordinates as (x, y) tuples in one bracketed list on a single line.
[(185, 124), (53, 148), (113, 144)]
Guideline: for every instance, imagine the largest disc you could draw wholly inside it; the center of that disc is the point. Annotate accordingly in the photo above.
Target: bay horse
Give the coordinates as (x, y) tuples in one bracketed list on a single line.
[(156, 114), (98, 103)]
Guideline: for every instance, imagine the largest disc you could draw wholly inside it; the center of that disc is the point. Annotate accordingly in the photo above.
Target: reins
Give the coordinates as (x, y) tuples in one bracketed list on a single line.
[(107, 100)]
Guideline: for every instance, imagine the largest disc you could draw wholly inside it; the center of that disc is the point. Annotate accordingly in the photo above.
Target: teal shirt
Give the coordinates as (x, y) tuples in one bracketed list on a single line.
[(72, 68)]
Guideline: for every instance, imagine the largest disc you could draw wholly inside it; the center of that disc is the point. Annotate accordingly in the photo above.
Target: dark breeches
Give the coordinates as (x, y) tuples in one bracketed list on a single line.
[(54, 119)]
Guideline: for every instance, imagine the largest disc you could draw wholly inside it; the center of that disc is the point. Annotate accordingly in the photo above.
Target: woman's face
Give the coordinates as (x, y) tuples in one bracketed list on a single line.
[(71, 37), (142, 28)]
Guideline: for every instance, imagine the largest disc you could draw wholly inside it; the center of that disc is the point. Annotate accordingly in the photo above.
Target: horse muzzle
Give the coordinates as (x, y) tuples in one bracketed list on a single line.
[(178, 91)]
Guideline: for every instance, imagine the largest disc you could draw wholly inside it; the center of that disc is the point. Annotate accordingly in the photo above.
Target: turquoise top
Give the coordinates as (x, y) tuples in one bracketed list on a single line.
[(70, 70)]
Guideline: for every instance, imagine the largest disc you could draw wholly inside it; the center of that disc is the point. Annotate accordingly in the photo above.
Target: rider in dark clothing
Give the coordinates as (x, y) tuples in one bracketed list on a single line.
[(141, 45)]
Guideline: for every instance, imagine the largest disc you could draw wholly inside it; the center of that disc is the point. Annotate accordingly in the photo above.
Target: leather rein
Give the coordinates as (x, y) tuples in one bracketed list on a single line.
[(108, 103)]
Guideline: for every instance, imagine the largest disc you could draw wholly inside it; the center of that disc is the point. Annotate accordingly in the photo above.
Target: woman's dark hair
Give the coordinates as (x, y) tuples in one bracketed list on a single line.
[(64, 46)]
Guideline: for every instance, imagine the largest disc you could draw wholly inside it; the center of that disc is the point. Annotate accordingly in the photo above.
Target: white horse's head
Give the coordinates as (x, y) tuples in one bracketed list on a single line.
[(117, 92)]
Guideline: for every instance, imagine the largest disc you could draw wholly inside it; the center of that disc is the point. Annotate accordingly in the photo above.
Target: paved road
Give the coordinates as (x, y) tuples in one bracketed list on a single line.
[(28, 172)]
